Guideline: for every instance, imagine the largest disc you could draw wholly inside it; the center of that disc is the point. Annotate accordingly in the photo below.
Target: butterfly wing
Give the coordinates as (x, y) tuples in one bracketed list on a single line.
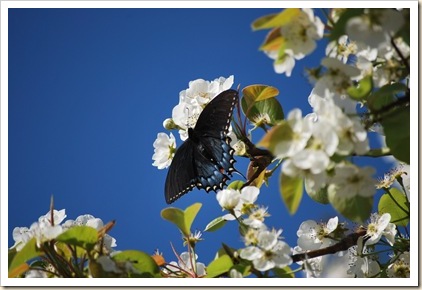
[(214, 157), (181, 177), (205, 157), (216, 116)]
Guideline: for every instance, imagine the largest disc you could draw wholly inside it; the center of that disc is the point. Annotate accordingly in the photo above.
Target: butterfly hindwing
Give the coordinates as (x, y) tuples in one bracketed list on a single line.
[(205, 159), (212, 164)]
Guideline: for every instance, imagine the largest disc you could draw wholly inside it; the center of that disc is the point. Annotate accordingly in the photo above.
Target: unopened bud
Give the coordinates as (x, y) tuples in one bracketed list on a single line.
[(169, 124)]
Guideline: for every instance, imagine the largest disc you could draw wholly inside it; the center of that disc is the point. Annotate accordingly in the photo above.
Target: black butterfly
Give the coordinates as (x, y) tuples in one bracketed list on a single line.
[(205, 159)]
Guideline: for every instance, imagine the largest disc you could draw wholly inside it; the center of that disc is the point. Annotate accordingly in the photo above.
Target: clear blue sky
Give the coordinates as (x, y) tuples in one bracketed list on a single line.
[(88, 92)]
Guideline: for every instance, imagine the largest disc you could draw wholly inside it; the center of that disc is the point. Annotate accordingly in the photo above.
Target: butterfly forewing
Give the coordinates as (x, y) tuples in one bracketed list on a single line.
[(206, 157), (216, 116)]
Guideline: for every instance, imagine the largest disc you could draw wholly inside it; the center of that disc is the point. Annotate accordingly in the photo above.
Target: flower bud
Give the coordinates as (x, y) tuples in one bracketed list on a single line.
[(169, 124)]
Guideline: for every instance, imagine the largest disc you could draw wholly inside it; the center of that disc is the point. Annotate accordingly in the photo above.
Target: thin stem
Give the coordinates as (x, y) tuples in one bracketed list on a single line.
[(192, 257), (403, 59), (327, 15), (376, 116)]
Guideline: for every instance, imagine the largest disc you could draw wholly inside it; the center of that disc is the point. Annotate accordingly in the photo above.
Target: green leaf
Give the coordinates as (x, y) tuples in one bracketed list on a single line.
[(285, 272), (11, 255), (356, 208), (236, 185), (190, 214), (362, 89), (320, 196), (387, 205), (385, 95), (291, 189), (219, 266), (182, 219), (140, 261), (279, 133), (215, 224), (276, 20), (397, 133), (225, 250), (28, 252), (269, 107), (256, 93), (339, 28), (82, 236)]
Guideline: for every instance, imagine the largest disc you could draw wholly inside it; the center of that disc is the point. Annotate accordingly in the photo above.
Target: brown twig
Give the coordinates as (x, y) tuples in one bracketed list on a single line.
[(343, 245)]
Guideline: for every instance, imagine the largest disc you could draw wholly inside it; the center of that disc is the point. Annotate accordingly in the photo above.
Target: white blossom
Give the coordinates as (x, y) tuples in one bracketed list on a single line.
[(362, 267), (193, 100), (58, 217), (338, 76), (35, 274), (235, 274), (185, 263), (248, 195), (390, 233), (45, 232), (301, 129), (228, 198), (350, 180), (312, 236), (21, 235), (313, 181), (401, 266), (406, 179), (284, 64), (108, 241), (375, 27), (299, 39), (108, 264), (256, 218), (341, 48), (301, 33), (375, 229), (269, 252), (164, 149)]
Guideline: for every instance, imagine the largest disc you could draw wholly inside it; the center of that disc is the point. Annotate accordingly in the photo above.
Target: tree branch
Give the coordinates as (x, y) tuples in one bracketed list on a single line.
[(343, 245)]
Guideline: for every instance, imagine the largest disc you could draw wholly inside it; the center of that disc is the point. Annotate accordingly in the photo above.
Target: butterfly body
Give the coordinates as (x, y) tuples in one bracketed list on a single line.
[(205, 160)]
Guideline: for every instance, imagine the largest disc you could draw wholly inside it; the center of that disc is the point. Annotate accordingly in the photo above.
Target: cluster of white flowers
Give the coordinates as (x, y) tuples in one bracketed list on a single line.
[(46, 229), (237, 202), (316, 138), (299, 35), (369, 39), (361, 263), (264, 248), (268, 251), (185, 115), (357, 261), (43, 230)]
